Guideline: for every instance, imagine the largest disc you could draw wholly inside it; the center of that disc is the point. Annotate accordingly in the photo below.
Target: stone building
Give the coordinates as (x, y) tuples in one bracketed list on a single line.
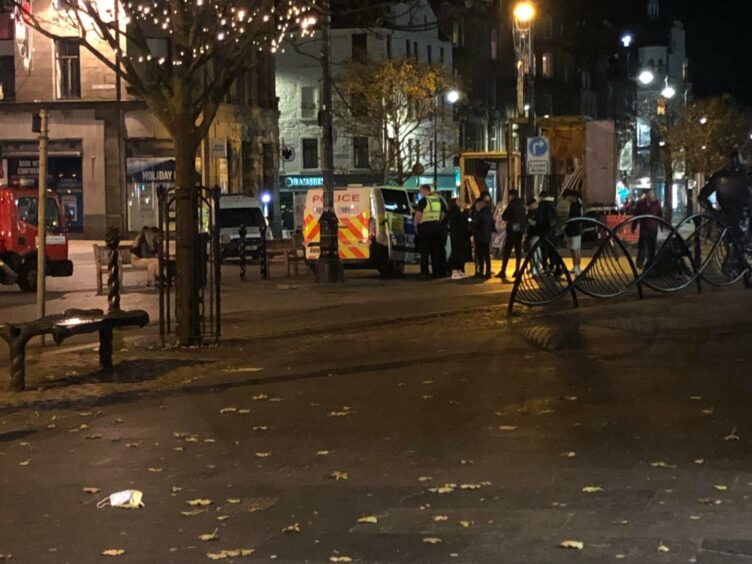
[(107, 152)]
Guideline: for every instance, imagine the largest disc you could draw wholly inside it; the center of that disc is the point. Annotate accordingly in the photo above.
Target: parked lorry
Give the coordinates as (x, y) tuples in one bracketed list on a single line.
[(583, 157), (18, 237)]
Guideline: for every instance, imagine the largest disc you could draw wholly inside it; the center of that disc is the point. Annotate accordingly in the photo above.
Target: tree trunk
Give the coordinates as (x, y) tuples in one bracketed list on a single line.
[(186, 239)]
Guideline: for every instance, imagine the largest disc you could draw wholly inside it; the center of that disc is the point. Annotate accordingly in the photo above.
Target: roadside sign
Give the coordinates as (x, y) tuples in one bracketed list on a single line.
[(538, 156)]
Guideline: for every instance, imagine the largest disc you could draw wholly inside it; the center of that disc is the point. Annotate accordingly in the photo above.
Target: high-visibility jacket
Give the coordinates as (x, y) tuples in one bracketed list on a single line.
[(432, 211)]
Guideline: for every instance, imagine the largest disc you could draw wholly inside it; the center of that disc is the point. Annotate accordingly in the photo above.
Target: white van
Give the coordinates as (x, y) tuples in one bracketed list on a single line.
[(236, 210), (375, 227)]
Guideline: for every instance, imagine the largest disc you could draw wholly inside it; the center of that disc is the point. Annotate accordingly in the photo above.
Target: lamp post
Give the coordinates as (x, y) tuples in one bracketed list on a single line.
[(452, 96), (524, 14)]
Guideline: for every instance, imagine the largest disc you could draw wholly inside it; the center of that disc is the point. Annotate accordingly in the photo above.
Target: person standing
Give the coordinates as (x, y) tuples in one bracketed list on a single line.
[(647, 242), (545, 219), (573, 230), (483, 229), (515, 217), (428, 218), (458, 222)]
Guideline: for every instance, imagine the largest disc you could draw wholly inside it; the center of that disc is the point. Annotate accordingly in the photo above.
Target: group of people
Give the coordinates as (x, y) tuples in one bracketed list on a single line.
[(472, 233)]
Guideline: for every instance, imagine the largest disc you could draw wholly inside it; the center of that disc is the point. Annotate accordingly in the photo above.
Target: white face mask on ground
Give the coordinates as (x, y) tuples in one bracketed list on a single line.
[(127, 499)]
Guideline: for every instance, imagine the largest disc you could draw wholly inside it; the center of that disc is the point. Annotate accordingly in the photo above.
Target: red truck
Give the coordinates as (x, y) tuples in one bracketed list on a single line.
[(18, 237)]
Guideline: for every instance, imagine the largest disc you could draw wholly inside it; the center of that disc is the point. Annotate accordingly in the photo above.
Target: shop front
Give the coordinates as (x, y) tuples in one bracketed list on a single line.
[(144, 176)]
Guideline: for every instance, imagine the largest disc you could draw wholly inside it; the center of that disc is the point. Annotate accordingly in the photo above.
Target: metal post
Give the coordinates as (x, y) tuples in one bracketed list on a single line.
[(112, 238), (241, 251), (435, 141), (329, 266), (41, 215), (264, 257)]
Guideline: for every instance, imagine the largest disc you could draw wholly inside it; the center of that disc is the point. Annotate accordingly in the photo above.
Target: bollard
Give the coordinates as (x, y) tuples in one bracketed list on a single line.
[(112, 239), (264, 259), (241, 251)]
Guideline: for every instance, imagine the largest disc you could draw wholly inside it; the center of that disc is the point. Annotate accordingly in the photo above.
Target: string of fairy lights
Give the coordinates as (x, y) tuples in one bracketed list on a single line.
[(195, 28)]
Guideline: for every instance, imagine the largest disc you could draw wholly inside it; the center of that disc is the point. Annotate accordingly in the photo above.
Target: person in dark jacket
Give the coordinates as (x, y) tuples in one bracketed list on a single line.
[(515, 217), (545, 219), (483, 229), (573, 230), (648, 240), (458, 222)]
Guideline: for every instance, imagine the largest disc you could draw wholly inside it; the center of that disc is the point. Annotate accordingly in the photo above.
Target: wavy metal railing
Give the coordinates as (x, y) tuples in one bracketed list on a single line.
[(699, 249)]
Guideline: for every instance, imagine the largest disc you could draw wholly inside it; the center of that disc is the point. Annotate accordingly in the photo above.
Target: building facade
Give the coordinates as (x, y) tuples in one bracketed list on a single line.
[(107, 153), (400, 32)]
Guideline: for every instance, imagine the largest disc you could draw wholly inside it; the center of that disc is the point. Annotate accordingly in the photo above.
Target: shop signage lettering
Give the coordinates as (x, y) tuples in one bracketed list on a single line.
[(157, 175), (28, 168), (304, 181)]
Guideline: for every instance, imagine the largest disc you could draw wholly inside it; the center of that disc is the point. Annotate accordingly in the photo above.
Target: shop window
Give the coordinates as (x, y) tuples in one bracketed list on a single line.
[(308, 105), (310, 153), (68, 59), (7, 78), (360, 152), (359, 47), (643, 133)]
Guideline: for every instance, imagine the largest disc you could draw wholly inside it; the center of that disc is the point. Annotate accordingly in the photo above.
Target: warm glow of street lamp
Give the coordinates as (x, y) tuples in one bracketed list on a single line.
[(453, 96), (524, 12), (668, 92), (646, 77)]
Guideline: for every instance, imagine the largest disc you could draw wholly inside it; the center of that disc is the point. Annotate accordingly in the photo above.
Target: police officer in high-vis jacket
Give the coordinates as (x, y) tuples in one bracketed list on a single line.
[(428, 219)]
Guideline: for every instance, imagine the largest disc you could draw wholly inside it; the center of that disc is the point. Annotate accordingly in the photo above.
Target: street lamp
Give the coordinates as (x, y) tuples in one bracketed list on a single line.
[(452, 96), (646, 77), (703, 120), (627, 39), (524, 13), (668, 92)]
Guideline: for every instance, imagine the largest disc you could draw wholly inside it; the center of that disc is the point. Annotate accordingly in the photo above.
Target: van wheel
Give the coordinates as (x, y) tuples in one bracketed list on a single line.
[(27, 276)]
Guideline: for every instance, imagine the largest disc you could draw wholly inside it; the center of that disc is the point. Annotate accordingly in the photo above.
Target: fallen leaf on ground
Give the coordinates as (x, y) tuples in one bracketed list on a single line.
[(210, 441), (699, 461), (432, 540), (209, 536), (440, 518), (470, 486), (294, 528), (92, 490), (324, 452), (258, 397), (721, 487), (592, 489), (222, 517), (661, 464), (572, 544), (113, 552), (695, 517), (425, 478), (340, 559), (695, 398), (24, 463), (199, 502), (192, 512), (466, 524), (507, 427), (93, 437), (570, 398), (662, 548), (228, 410), (176, 489), (244, 369), (233, 500), (260, 428), (223, 554), (244, 411), (369, 519), (569, 454), (155, 470), (263, 454), (708, 501), (338, 414), (337, 475), (708, 411), (445, 489), (732, 436)]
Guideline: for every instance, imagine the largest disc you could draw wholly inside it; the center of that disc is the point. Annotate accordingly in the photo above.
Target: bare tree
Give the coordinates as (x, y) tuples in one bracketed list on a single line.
[(396, 104), (181, 57)]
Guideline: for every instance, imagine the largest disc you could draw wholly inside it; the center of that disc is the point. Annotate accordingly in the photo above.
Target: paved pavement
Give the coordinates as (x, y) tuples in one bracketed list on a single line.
[(455, 436)]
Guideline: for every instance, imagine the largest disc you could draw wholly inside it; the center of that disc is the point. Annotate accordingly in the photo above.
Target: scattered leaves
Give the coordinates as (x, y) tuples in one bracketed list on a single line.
[(294, 528), (568, 454), (206, 537), (228, 410), (732, 436), (233, 500), (324, 452), (259, 397), (572, 544), (24, 463), (662, 547), (233, 553), (432, 540), (425, 478), (720, 487), (661, 464), (337, 475), (263, 454), (193, 512), (699, 461), (372, 519), (93, 437), (340, 559), (466, 524), (199, 502), (338, 414), (155, 470), (113, 552), (176, 489), (440, 518), (592, 489), (507, 427), (92, 490), (445, 489)]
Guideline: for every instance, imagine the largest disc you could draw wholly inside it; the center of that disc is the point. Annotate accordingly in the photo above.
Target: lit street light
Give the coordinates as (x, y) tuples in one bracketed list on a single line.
[(668, 92), (453, 96), (646, 77), (703, 120), (524, 12), (627, 39)]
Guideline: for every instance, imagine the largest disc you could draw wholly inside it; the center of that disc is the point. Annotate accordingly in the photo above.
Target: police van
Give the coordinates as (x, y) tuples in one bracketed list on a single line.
[(375, 227)]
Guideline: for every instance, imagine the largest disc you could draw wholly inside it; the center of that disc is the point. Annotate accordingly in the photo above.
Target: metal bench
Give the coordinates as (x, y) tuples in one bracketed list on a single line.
[(74, 322), (102, 261)]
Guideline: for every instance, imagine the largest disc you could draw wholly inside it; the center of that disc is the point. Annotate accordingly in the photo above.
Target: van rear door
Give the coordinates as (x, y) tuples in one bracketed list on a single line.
[(353, 209)]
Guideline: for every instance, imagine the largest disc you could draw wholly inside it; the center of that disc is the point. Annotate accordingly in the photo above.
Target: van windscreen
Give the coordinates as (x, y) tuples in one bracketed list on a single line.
[(28, 212), (235, 217), (396, 201)]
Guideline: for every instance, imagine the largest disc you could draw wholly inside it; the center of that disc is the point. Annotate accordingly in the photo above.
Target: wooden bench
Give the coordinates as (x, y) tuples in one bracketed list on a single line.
[(72, 322), (285, 251), (101, 258)]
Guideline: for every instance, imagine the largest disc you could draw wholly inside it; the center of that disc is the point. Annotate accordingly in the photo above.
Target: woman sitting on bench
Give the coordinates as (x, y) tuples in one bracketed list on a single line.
[(144, 253)]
